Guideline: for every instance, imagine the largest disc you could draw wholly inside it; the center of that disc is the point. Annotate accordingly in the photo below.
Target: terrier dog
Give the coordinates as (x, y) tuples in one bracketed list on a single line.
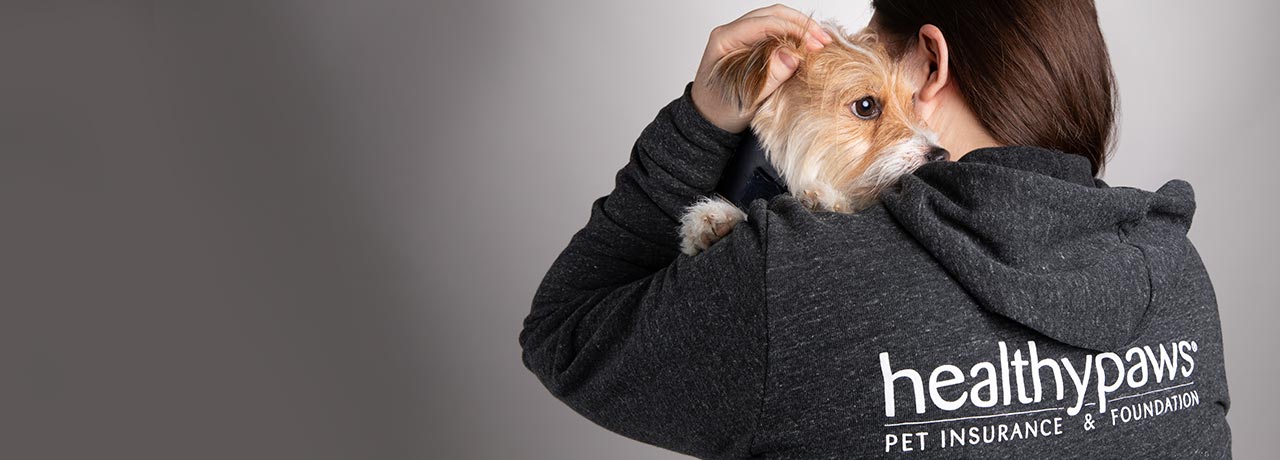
[(839, 131)]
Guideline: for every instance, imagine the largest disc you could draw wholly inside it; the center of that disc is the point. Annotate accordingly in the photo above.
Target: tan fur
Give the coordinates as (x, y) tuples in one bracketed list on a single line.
[(830, 159)]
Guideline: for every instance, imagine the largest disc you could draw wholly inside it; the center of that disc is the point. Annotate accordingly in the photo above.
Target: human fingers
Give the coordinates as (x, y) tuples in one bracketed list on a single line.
[(793, 15), (748, 31)]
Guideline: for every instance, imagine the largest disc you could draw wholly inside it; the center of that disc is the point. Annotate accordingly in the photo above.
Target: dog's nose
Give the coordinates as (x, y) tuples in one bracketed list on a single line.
[(937, 154)]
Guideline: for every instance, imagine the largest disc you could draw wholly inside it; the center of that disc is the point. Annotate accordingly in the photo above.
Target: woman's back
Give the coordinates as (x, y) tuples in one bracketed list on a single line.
[(1004, 305)]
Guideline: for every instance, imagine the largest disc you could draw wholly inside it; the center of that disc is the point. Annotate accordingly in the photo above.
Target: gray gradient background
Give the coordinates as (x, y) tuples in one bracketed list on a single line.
[(311, 229)]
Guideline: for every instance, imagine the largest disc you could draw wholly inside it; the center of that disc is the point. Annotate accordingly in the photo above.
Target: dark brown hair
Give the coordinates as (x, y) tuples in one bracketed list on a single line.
[(1034, 72)]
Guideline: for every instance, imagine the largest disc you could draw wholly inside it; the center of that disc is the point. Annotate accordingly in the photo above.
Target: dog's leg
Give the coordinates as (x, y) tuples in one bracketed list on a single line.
[(820, 196), (707, 221)]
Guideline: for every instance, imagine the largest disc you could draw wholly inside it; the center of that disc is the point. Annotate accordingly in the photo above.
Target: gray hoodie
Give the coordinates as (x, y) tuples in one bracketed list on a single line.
[(1006, 305)]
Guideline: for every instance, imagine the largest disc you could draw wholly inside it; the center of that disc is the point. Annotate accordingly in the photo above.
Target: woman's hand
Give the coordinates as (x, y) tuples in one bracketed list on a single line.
[(743, 32)]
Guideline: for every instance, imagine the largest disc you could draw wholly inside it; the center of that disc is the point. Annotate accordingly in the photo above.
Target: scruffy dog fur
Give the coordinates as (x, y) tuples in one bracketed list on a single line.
[(839, 131)]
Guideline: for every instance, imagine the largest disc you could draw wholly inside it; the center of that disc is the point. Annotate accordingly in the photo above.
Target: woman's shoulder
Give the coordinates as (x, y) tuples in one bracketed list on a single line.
[(786, 224)]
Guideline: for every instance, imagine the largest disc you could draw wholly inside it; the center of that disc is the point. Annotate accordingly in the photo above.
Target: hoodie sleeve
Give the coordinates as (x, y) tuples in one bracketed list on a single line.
[(639, 338)]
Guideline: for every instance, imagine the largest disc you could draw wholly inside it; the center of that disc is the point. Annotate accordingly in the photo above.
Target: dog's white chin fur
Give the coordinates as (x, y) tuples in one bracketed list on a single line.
[(901, 159)]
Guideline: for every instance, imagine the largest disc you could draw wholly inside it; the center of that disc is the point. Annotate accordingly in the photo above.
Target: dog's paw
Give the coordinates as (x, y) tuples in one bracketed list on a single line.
[(818, 196), (707, 221)]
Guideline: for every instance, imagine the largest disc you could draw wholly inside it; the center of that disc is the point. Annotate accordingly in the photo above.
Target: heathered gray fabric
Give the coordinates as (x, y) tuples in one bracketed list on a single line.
[(955, 307)]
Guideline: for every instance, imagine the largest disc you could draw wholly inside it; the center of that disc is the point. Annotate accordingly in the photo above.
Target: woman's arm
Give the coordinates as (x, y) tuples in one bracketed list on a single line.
[(646, 342)]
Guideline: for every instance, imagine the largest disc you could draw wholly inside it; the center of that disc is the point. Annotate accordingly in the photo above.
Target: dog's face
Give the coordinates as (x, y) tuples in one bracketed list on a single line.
[(844, 121)]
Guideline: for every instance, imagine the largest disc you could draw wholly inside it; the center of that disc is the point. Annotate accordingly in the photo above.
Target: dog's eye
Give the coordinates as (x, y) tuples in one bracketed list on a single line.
[(866, 108)]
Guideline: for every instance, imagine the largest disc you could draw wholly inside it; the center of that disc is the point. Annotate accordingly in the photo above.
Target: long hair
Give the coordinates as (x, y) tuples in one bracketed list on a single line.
[(1034, 72)]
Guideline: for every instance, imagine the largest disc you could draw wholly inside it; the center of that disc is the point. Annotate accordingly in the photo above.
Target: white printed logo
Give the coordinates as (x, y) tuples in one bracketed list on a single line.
[(1031, 380)]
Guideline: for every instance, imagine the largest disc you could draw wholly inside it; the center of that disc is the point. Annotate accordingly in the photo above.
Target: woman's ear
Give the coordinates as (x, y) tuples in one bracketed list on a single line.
[(749, 75), (932, 50)]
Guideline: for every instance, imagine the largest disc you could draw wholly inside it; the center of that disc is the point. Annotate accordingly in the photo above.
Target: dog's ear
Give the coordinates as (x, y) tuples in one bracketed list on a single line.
[(744, 74)]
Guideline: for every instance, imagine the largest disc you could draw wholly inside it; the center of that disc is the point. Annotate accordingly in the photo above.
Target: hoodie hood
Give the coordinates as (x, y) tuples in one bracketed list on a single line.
[(1031, 235)]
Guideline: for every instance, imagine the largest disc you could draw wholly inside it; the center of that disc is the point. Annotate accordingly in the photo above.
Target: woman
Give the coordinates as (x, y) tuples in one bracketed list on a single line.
[(1007, 304)]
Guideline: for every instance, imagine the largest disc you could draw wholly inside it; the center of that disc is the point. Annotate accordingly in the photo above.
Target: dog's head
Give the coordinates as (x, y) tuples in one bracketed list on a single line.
[(844, 119)]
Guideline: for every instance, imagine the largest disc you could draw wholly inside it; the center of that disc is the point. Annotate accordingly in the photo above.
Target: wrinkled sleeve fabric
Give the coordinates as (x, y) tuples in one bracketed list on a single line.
[(641, 339)]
